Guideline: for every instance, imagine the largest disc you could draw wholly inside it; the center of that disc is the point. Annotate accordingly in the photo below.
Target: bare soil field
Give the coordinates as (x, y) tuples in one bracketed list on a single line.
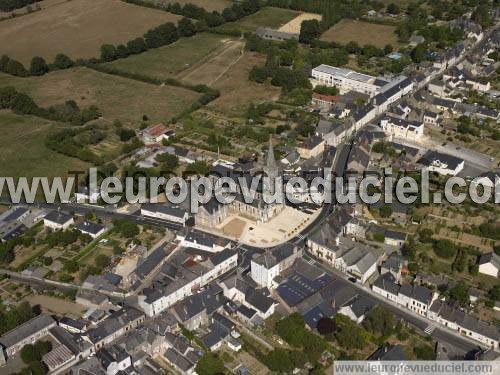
[(210, 5), (209, 70), (169, 61), (117, 97), (294, 25), (361, 32), (77, 28), (56, 305), (237, 92)]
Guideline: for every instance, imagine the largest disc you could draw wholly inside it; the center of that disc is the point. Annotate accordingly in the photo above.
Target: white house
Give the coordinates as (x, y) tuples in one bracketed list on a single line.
[(156, 134), (165, 212), (443, 164), (204, 242), (431, 118), (357, 308), (272, 263), (400, 128), (387, 287), (57, 220), (416, 298), (92, 229), (489, 264)]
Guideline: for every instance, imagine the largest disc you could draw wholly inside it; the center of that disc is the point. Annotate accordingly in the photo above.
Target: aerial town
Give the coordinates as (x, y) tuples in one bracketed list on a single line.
[(239, 89)]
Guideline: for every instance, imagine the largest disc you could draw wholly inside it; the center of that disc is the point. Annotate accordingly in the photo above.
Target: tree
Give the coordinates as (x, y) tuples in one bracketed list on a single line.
[(278, 360), (121, 51), (209, 364), (385, 211), (102, 261), (424, 353), (62, 61), (444, 248), (326, 326), (309, 30), (186, 27), (388, 49), (28, 354), (199, 168), (136, 46), (393, 9), (15, 68), (38, 66), (108, 52), (380, 320), (460, 293), (126, 228), (494, 293)]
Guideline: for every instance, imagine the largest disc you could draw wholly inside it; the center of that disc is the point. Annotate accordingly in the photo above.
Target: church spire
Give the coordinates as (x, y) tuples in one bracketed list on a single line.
[(271, 161)]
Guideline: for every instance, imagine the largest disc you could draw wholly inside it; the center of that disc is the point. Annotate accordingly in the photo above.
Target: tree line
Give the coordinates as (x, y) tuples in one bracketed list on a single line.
[(9, 5), (23, 104)]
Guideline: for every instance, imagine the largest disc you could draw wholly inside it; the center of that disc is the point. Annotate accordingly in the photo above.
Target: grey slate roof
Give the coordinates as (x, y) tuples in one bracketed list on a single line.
[(25, 330), (417, 292), (58, 217), (89, 227)]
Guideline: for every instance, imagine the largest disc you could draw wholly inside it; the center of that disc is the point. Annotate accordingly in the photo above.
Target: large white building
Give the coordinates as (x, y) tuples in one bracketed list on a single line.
[(346, 80)]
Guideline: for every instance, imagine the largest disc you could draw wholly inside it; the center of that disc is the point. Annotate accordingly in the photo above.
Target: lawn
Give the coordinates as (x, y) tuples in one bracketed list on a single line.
[(167, 62), (361, 32), (237, 92), (117, 97), (23, 151), (210, 5), (266, 17), (77, 28)]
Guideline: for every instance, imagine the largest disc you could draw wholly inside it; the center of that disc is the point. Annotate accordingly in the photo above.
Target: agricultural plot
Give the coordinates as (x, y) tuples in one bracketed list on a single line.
[(237, 92), (169, 61), (361, 32), (117, 97), (266, 17), (211, 70), (77, 28), (23, 151), (294, 25)]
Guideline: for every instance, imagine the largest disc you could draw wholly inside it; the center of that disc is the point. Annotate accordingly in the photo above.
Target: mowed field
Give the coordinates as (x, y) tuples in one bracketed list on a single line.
[(210, 5), (361, 32), (77, 28), (211, 69), (169, 61), (23, 151), (237, 92), (266, 17), (117, 97)]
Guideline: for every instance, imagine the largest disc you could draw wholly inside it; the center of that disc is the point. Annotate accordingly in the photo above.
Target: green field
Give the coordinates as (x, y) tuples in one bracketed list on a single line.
[(23, 151), (117, 97), (167, 62), (266, 17)]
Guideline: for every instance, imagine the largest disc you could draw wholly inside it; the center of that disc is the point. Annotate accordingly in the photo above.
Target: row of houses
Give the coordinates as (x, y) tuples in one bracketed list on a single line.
[(425, 302)]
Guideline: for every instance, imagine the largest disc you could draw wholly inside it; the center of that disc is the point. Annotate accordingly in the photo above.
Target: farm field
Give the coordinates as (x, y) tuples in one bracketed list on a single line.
[(294, 25), (210, 5), (167, 62), (211, 70), (237, 92), (266, 17), (23, 151), (77, 28), (116, 97), (361, 32)]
